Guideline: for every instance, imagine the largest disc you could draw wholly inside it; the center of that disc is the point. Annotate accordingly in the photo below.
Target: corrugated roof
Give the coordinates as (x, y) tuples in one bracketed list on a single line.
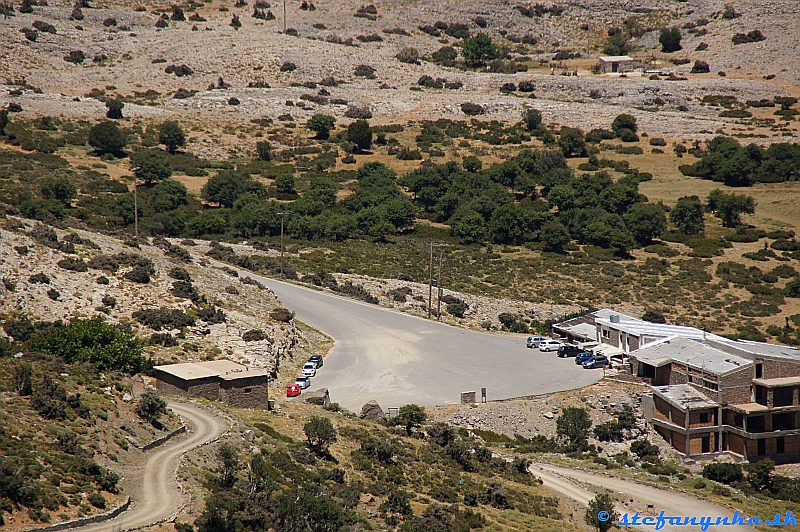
[(684, 396), (690, 352), (225, 369), (660, 330), (750, 348)]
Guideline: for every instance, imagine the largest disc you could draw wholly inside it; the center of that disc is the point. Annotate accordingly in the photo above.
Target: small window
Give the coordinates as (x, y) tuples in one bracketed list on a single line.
[(704, 417), (759, 370), (781, 445), (248, 390), (606, 333)]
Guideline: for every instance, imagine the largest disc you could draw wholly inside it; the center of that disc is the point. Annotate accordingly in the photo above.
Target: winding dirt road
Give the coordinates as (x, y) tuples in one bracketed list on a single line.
[(581, 486), (157, 495)]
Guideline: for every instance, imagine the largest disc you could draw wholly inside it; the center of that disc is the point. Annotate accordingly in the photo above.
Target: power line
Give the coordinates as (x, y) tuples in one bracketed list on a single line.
[(282, 215)]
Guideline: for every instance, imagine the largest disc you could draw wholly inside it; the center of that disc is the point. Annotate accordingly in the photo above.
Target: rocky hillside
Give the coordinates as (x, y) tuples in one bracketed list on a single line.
[(210, 69), (188, 310)]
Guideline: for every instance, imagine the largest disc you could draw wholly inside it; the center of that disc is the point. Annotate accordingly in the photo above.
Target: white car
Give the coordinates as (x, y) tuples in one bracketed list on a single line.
[(550, 345), (309, 369), (534, 341), (302, 381)]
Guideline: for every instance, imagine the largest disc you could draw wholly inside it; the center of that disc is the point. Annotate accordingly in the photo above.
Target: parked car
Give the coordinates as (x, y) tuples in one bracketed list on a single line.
[(316, 359), (302, 381), (598, 361), (534, 341), (569, 350), (583, 357), (293, 390), (549, 345), (309, 369)]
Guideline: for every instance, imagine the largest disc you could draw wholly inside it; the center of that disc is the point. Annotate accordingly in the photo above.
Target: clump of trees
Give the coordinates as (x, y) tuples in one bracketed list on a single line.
[(670, 39), (726, 161)]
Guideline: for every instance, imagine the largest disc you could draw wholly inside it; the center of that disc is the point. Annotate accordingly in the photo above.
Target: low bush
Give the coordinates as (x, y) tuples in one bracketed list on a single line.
[(163, 318)]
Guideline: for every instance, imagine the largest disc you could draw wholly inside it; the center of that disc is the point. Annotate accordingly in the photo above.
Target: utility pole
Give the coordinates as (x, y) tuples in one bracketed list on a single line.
[(439, 283), (135, 204), (282, 215), (284, 16)]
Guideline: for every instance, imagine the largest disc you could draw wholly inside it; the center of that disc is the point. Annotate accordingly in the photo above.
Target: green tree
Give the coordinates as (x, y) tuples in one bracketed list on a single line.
[(360, 134), (3, 121), (58, 188), (264, 150), (105, 346), (478, 50), (509, 224), (670, 40), (106, 137), (411, 416), (622, 122), (600, 513), (468, 226), (646, 221), (171, 135), (321, 124), (759, 474), (472, 164), (617, 43), (320, 433), (151, 406), (284, 184), (572, 142), (687, 215), (792, 288), (225, 187), (554, 236), (150, 166), (114, 109), (207, 223), (573, 426), (228, 457), (23, 373), (730, 207), (168, 195), (532, 118)]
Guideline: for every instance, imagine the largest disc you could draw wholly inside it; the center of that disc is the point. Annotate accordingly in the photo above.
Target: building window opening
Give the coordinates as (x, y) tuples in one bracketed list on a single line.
[(704, 417)]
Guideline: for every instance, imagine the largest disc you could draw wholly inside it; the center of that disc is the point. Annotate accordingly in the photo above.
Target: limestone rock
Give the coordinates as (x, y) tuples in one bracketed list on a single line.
[(319, 397), (372, 411)]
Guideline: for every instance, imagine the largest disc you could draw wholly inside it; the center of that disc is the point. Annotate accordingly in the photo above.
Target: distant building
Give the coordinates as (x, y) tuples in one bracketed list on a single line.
[(723, 396), (710, 395), (218, 380), (615, 63)]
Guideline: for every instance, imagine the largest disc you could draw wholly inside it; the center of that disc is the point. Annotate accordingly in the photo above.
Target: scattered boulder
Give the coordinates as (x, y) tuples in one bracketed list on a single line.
[(372, 411), (319, 397)]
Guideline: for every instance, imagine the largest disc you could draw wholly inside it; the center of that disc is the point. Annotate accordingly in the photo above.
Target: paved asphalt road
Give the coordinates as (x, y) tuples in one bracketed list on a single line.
[(155, 495), (396, 358)]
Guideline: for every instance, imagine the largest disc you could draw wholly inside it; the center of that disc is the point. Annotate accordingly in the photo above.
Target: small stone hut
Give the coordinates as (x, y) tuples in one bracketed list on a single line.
[(218, 380)]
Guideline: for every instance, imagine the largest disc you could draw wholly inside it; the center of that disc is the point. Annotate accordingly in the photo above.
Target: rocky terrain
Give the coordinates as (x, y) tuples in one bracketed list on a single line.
[(256, 71), (536, 416), (56, 293)]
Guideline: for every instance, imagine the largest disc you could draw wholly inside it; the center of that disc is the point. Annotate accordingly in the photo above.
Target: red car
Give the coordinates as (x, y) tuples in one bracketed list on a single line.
[(292, 390)]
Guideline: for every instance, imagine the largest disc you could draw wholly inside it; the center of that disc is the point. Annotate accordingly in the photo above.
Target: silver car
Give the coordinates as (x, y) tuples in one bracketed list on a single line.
[(302, 381), (534, 341), (550, 345)]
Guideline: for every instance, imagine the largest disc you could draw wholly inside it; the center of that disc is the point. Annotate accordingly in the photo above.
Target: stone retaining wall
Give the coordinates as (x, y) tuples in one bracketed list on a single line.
[(90, 520)]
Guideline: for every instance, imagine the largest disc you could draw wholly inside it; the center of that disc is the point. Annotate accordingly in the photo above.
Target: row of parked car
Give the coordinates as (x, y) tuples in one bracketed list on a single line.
[(587, 359), (303, 381)]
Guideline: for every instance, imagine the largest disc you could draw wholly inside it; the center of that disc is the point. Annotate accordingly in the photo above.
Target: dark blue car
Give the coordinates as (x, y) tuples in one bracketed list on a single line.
[(598, 361), (583, 357)]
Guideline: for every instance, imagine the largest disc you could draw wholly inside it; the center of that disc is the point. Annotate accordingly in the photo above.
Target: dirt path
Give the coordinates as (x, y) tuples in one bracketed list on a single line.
[(581, 487), (157, 495)]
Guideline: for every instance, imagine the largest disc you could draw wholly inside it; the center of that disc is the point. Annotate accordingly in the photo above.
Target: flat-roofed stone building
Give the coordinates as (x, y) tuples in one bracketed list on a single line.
[(218, 380)]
